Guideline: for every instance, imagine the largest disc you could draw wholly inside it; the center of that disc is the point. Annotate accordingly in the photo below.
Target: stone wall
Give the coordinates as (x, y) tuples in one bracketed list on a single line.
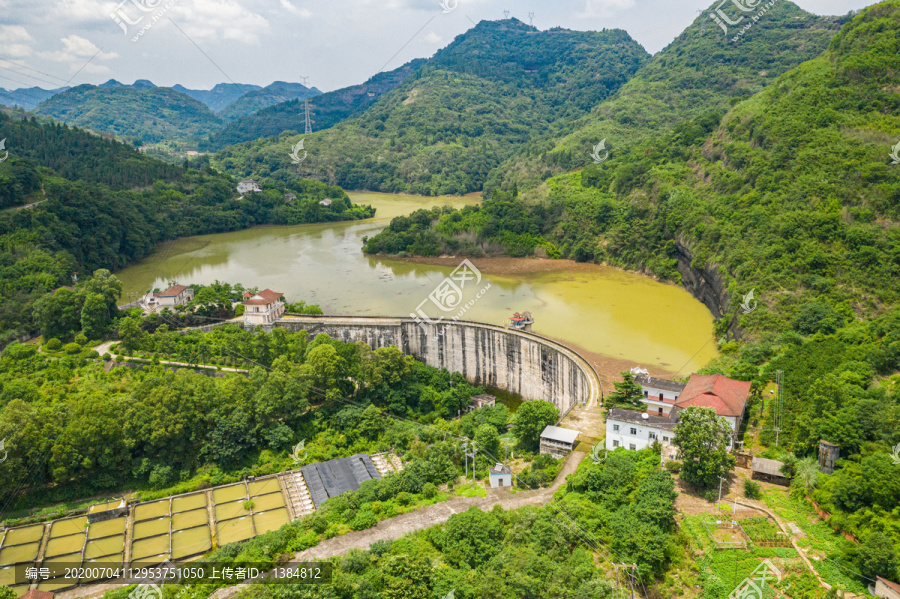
[(526, 364)]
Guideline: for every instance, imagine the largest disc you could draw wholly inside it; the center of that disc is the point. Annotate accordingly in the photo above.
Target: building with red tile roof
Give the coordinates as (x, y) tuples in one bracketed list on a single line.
[(262, 308), (726, 396), (175, 295)]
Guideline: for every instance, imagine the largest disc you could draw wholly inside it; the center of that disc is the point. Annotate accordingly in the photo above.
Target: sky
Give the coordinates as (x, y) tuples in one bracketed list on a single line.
[(335, 43)]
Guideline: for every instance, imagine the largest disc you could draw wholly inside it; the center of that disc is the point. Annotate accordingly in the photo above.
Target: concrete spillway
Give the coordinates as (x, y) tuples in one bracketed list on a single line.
[(529, 365)]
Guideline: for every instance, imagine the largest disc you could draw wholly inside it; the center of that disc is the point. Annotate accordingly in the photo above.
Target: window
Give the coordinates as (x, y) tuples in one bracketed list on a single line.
[(632, 447), (666, 439), (615, 443), (615, 428), (646, 393), (633, 431), (660, 412), (651, 436), (660, 396)]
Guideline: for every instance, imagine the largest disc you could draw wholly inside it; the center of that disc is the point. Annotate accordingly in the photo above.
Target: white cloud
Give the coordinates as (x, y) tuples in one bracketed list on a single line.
[(604, 8), (77, 52), (301, 12), (220, 19), (432, 38), (15, 41)]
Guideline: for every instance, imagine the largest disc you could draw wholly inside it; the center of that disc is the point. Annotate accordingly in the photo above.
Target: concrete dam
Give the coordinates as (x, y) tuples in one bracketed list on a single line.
[(519, 362)]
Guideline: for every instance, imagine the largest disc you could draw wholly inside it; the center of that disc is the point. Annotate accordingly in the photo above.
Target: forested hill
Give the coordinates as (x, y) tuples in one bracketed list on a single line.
[(792, 194), (99, 204), (78, 156), (258, 99), (326, 110), (499, 86), (701, 70), (146, 115)]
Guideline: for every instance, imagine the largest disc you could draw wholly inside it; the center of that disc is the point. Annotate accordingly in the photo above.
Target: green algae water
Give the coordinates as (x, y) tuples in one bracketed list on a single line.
[(600, 309), (191, 542), (188, 502), (230, 493)]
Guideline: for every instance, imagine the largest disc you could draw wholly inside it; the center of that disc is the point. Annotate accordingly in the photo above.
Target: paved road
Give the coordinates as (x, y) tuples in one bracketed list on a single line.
[(394, 528)]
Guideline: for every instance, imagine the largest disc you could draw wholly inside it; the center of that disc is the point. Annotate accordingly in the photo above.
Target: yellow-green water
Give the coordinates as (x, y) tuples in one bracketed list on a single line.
[(107, 546), (272, 520), (229, 493), (106, 528), (271, 501), (231, 531), (601, 309), (191, 542), (57, 565), (188, 502), (63, 545), (144, 548), (151, 528), (261, 487), (69, 526), (7, 576), (26, 534), (145, 511), (19, 553), (226, 511), (190, 519)]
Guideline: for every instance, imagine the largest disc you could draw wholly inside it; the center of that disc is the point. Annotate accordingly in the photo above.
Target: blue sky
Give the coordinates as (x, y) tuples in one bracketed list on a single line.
[(336, 43)]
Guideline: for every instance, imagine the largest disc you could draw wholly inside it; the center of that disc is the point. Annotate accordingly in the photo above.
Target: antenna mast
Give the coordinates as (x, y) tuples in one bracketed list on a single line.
[(308, 123), (779, 404)]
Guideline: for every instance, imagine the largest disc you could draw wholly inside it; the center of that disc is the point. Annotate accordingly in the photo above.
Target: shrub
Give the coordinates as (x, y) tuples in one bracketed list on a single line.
[(673, 467), (404, 498), (72, 348), (364, 519), (107, 357), (752, 489), (429, 491), (81, 339), (54, 344)]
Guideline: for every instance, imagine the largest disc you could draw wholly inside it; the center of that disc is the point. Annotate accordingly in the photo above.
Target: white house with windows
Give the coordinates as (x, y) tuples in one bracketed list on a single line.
[(660, 395), (637, 430), (248, 185), (176, 295), (263, 308)]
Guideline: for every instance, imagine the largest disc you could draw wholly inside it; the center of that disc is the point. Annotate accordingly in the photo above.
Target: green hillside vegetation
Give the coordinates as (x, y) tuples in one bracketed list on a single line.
[(258, 99), (149, 116), (326, 110), (220, 96), (700, 71), (791, 193), (499, 86), (115, 208)]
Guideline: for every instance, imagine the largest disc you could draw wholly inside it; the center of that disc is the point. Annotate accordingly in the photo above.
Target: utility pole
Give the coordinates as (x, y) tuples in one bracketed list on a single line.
[(721, 480), (472, 455), (629, 570)]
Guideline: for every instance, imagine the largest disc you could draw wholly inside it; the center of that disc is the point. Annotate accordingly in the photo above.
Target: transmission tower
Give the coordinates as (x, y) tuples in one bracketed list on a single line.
[(702, 22), (531, 18), (628, 571), (505, 14), (308, 123)]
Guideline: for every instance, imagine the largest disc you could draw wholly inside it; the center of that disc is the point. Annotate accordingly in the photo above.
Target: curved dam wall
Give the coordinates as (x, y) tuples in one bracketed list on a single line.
[(529, 365)]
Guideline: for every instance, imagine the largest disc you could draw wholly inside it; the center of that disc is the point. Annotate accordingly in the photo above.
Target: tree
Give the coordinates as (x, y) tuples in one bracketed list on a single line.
[(702, 440), (108, 286), (806, 473), (7, 593), (875, 556), (94, 316), (488, 440), (627, 391), (530, 421), (57, 313), (472, 537), (131, 334)]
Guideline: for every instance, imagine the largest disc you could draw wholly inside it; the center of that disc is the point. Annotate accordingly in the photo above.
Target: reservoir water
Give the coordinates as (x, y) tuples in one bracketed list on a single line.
[(600, 309)]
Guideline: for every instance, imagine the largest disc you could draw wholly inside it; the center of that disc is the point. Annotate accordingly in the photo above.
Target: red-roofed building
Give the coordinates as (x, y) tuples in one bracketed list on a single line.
[(37, 594), (726, 396), (176, 295), (263, 308)]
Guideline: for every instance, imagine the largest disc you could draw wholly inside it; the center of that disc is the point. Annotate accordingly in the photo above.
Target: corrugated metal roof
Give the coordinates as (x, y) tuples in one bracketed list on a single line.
[(767, 466), (331, 478), (562, 435)]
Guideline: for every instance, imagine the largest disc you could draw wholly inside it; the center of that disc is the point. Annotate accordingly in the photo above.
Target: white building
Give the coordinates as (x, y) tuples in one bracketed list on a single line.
[(326, 202), (659, 394), (637, 430), (501, 476), (262, 309), (176, 295), (247, 185), (558, 442)]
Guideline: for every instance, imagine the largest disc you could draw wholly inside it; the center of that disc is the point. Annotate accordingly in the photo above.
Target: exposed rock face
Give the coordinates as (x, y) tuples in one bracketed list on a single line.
[(707, 284), (518, 362)]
